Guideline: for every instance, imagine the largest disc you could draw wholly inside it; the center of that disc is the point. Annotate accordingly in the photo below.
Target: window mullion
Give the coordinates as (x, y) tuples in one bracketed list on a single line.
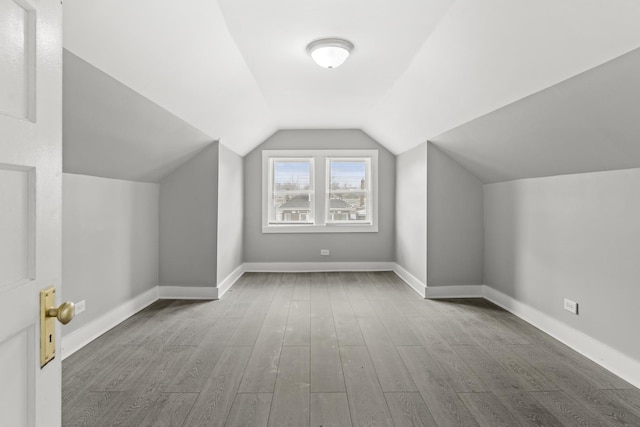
[(321, 189)]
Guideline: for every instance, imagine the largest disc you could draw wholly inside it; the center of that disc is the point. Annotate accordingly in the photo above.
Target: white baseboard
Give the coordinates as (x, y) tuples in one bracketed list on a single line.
[(308, 267), (458, 291), (411, 280), (230, 280), (604, 355), (435, 292), (187, 292), (83, 336)]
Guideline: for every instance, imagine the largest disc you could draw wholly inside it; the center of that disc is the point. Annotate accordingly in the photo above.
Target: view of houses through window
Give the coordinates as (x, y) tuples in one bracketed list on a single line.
[(292, 191), (346, 190)]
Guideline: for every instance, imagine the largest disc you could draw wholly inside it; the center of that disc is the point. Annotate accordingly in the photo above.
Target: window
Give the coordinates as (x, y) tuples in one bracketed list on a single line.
[(312, 191)]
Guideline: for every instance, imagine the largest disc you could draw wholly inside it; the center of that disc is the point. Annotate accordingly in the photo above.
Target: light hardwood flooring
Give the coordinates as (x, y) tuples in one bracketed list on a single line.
[(336, 349)]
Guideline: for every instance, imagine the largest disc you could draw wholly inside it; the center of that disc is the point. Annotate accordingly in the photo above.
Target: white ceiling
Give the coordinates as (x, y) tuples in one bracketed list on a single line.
[(487, 54), (273, 37), (588, 123), (238, 70), (179, 55)]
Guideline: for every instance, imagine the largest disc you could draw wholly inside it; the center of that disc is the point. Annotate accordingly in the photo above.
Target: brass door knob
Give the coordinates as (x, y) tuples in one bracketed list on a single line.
[(64, 313)]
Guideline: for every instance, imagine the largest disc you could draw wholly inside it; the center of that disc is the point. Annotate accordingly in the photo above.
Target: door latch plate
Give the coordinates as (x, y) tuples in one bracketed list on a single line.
[(47, 326)]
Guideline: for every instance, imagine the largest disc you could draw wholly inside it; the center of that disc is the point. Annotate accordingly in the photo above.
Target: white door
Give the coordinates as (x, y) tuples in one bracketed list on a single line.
[(30, 205)]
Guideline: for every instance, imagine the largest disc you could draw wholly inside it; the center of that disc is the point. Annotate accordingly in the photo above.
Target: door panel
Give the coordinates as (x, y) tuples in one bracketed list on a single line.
[(15, 354), (17, 216), (17, 54)]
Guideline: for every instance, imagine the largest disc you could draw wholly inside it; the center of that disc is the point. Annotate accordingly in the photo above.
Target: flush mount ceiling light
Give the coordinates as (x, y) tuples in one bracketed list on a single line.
[(330, 53)]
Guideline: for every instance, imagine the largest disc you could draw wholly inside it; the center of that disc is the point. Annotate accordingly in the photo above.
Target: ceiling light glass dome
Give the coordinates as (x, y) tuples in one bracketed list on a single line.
[(331, 52)]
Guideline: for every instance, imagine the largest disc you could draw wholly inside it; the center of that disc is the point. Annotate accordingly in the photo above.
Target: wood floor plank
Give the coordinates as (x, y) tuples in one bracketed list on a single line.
[(320, 303), (93, 408), (487, 410), (298, 323), (629, 398), (196, 370), (302, 288), (126, 374), (216, 398), (565, 409), (443, 402), (290, 407), (392, 373), (527, 410), (347, 327), (249, 327), (578, 386), (148, 388), (366, 400), (93, 375), (409, 410), (170, 409), (459, 375), (394, 323), (326, 366), (330, 410), (250, 410), (260, 375), (602, 378), (348, 332), (492, 373), (516, 366)]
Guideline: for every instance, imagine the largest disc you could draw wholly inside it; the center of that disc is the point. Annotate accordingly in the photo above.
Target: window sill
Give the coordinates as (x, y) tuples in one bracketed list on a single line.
[(329, 228)]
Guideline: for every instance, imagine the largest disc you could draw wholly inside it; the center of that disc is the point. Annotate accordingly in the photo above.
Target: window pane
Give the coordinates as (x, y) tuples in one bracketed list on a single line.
[(292, 208), (292, 195), (348, 190), (291, 175)]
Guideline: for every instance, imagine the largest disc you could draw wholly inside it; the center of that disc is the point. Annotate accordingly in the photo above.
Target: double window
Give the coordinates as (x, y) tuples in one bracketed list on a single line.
[(319, 191)]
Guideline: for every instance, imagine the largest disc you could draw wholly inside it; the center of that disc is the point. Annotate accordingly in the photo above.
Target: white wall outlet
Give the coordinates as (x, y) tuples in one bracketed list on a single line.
[(80, 307), (571, 306), (324, 252)]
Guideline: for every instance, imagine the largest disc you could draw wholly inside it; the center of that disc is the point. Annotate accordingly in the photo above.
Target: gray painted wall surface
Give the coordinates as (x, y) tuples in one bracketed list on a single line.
[(345, 247), (454, 223), (109, 243), (110, 130), (587, 123), (230, 211), (188, 222), (411, 211), (573, 236)]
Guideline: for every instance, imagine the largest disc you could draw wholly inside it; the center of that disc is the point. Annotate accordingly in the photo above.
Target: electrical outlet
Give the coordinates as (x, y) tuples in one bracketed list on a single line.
[(80, 307), (571, 306), (324, 252)]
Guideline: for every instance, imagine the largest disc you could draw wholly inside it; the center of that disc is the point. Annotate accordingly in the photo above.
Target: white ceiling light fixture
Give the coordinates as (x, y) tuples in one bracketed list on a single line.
[(330, 52)]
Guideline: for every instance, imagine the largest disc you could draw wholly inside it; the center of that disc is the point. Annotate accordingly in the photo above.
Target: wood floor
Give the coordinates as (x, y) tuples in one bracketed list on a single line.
[(336, 349)]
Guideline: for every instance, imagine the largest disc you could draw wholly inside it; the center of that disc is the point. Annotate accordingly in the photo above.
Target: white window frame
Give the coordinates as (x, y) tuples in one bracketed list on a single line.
[(312, 184), (320, 201)]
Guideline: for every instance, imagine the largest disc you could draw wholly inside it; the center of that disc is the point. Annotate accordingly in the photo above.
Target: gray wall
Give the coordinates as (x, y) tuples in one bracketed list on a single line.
[(109, 243), (188, 222), (454, 223), (230, 211), (112, 131), (573, 236), (346, 247), (411, 211)]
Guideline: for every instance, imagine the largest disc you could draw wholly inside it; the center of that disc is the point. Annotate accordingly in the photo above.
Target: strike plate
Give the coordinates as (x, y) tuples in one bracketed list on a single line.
[(47, 326)]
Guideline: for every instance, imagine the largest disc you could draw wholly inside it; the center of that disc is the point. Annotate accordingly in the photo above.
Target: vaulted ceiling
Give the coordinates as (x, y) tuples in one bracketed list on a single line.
[(237, 70)]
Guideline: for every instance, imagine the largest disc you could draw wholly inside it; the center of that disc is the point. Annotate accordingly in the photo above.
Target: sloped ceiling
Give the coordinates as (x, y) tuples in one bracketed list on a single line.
[(238, 69), (588, 123), (112, 131)]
